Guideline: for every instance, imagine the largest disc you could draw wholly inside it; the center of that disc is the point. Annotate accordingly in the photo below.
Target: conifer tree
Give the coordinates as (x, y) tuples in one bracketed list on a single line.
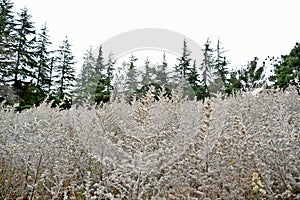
[(85, 86), (50, 81), (182, 68), (43, 59), (109, 72), (105, 86), (131, 82), (7, 36), (207, 67), (102, 92), (221, 72), (194, 81), (146, 76), (25, 66), (161, 72), (254, 74), (65, 72), (25, 42)]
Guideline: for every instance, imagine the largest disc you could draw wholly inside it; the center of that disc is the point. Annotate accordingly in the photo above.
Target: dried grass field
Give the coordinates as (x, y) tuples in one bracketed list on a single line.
[(243, 147)]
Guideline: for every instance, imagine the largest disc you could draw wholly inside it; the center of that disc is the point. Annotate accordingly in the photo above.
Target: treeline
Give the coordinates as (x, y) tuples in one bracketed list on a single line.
[(101, 80), (30, 72)]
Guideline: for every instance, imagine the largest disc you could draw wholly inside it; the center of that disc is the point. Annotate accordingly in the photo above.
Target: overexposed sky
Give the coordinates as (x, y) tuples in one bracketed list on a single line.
[(246, 28)]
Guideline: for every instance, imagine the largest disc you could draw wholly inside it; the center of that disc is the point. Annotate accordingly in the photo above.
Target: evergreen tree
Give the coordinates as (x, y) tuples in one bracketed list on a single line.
[(102, 92), (234, 82), (194, 76), (100, 66), (85, 86), (109, 72), (43, 59), (182, 69), (146, 76), (207, 67), (161, 72), (131, 82), (25, 41), (221, 72), (104, 72), (254, 74), (7, 35), (25, 66), (50, 81), (65, 72), (194, 81), (287, 72)]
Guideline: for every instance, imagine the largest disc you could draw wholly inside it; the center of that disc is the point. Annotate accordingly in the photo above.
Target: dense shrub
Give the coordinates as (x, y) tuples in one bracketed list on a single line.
[(243, 147)]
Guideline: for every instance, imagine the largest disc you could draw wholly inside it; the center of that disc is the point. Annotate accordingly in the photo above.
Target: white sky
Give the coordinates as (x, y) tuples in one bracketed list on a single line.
[(246, 28)]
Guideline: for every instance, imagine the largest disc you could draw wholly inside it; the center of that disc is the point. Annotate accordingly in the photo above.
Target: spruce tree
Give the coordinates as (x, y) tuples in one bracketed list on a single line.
[(7, 36), (103, 78), (105, 85), (65, 70), (43, 58), (25, 43), (24, 70)]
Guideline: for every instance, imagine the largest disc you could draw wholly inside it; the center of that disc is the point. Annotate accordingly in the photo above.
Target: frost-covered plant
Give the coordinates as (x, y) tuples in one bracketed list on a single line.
[(155, 149)]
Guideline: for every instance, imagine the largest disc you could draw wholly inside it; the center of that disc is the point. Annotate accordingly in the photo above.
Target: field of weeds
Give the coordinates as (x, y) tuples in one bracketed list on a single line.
[(243, 147)]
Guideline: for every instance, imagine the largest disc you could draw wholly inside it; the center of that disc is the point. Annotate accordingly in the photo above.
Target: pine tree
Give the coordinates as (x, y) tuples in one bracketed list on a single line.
[(24, 70), (7, 35), (65, 72), (25, 41), (43, 59)]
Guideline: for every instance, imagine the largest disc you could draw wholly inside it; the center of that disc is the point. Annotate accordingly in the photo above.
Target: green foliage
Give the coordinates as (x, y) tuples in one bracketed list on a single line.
[(65, 70), (182, 69), (30, 95), (288, 71), (102, 92), (6, 40)]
